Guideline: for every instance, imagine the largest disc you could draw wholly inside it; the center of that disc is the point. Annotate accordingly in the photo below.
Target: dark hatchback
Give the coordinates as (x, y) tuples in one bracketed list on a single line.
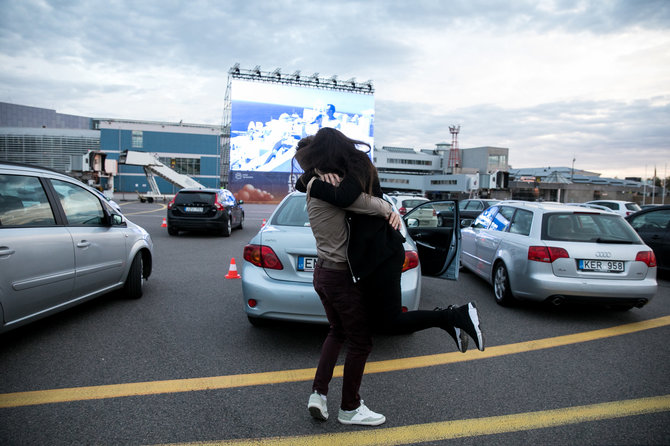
[(204, 209), (653, 226)]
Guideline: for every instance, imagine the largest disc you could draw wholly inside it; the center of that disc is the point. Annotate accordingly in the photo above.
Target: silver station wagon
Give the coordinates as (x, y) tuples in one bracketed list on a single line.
[(555, 252), (61, 243)]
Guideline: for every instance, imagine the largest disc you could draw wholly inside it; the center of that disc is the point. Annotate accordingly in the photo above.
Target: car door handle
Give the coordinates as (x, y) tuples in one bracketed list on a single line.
[(6, 251), (83, 244)]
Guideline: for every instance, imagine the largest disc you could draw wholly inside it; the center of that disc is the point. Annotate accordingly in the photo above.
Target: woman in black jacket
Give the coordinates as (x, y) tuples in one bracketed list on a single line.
[(375, 250)]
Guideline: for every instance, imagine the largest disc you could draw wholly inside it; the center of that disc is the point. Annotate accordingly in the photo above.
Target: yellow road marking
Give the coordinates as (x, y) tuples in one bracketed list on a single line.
[(19, 399), (446, 430)]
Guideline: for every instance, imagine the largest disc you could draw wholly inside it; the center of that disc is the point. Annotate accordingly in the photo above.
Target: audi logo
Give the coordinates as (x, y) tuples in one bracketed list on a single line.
[(603, 254)]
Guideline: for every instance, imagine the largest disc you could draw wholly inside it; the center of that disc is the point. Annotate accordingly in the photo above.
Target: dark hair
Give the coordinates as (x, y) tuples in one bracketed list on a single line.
[(331, 151)]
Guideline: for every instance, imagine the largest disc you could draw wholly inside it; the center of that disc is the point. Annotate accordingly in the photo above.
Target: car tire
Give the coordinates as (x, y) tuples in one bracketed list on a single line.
[(241, 225), (258, 321), (172, 230), (501, 288), (227, 227), (135, 280)]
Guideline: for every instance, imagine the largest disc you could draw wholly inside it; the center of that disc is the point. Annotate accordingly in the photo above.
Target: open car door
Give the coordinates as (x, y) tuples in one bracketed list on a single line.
[(435, 228)]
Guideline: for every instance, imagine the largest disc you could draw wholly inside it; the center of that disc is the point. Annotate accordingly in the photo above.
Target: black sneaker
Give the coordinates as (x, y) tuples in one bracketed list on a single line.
[(467, 319), (460, 337)]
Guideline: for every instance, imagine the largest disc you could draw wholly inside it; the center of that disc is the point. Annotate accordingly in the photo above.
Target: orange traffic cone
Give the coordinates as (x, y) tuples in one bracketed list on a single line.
[(164, 225), (263, 224), (232, 272)]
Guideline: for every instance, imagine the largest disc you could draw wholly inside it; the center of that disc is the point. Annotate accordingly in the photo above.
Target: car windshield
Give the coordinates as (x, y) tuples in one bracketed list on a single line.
[(292, 212), (194, 198), (412, 203), (587, 227)]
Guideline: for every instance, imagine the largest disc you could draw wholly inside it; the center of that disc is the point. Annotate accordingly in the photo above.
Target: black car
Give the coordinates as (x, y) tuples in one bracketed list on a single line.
[(653, 225), (204, 209)]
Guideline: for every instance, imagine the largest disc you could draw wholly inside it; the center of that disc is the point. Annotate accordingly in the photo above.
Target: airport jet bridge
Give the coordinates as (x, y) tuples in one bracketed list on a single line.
[(154, 167)]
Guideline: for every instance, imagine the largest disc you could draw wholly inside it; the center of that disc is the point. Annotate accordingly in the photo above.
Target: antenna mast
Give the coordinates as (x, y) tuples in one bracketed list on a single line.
[(454, 154)]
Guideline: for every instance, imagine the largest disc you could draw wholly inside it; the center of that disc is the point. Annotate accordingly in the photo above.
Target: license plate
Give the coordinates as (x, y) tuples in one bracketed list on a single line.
[(306, 263), (607, 266), (194, 209)]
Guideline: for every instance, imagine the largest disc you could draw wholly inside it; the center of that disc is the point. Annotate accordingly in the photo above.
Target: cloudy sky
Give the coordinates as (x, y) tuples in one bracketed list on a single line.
[(549, 79)]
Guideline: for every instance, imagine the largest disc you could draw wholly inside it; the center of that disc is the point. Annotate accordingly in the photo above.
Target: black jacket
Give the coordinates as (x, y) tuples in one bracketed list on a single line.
[(371, 239)]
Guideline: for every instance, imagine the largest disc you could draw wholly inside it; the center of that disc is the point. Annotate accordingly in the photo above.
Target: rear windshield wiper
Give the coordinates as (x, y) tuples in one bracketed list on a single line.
[(620, 241)]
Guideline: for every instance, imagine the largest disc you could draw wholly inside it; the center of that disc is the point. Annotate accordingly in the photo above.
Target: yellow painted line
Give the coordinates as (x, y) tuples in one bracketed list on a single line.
[(447, 430), (30, 398)]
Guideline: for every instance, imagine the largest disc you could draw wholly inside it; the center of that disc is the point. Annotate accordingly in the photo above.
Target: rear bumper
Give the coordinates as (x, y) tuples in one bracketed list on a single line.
[(544, 286), (297, 301), (215, 222)]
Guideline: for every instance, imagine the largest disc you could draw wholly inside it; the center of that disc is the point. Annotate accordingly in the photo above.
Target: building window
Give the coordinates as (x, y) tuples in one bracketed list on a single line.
[(435, 182), (498, 161), (186, 166), (137, 139), (393, 180), (406, 161)]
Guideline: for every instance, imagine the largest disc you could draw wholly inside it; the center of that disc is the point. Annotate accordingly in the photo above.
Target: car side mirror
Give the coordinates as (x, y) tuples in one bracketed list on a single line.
[(412, 222), (240, 201)]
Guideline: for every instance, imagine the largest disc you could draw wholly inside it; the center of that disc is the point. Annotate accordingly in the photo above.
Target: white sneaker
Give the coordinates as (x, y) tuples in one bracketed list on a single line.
[(362, 416), (317, 406)]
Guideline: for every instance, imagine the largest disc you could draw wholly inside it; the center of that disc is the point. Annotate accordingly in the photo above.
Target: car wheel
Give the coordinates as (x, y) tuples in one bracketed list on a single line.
[(135, 280), (257, 321), (439, 221), (227, 227), (172, 230), (501, 288), (241, 225)]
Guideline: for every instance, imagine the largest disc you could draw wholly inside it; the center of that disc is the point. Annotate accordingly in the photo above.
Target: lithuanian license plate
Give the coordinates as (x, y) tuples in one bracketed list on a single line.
[(194, 209), (607, 266), (306, 263)]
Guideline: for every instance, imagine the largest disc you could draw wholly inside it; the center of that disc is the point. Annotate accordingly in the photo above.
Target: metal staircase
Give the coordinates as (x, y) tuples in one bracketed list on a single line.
[(154, 167)]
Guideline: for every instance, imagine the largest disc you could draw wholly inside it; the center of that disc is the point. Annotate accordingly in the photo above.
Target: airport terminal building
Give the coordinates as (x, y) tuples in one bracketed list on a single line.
[(50, 139)]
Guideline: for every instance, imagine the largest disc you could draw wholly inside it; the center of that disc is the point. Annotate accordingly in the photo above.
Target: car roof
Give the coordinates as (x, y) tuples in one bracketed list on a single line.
[(200, 189), (549, 206)]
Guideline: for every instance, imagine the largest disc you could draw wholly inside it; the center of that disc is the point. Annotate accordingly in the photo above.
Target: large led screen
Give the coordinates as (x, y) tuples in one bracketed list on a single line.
[(268, 120)]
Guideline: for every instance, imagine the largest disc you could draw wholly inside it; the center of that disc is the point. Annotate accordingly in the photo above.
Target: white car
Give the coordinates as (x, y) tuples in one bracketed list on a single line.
[(277, 273), (623, 208), (406, 203), (558, 253)]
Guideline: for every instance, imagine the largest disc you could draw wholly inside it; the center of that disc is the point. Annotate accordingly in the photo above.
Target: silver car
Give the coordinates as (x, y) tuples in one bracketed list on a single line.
[(277, 271), (554, 252), (61, 244)]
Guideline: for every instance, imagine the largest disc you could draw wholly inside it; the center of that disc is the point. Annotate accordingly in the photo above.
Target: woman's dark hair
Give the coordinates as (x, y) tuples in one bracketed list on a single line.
[(331, 151)]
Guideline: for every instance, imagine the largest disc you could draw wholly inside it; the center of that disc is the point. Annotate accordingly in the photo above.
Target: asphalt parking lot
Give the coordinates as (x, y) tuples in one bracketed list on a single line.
[(183, 365)]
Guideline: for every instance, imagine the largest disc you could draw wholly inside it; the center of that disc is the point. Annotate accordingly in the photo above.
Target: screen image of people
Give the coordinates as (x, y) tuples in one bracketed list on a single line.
[(268, 120)]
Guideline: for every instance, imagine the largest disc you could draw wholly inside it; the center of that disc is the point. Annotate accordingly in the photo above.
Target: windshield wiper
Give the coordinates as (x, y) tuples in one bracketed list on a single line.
[(619, 241)]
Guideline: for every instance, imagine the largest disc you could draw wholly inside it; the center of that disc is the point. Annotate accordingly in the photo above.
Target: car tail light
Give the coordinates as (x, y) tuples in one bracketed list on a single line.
[(252, 303), (170, 204), (402, 210), (217, 204), (647, 257), (262, 256), (546, 254), (404, 309), (411, 260), (434, 213)]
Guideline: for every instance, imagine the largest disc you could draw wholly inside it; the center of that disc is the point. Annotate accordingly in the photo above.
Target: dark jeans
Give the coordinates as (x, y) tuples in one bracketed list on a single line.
[(383, 298), (349, 323)]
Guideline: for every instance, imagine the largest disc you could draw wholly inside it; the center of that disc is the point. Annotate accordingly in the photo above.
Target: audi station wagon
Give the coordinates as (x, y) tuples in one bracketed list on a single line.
[(558, 253)]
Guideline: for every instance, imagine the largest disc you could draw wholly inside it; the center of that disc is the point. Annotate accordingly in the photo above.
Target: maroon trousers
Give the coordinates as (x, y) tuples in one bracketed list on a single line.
[(348, 319)]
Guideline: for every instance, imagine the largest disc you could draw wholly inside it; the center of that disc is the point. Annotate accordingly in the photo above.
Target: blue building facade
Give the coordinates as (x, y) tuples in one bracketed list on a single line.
[(194, 150)]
